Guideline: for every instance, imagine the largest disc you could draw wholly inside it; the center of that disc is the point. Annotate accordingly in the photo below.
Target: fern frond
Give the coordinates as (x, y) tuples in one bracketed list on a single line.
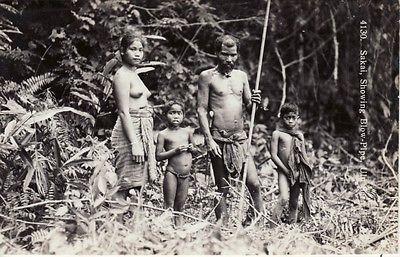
[(62, 130), (9, 8), (10, 87), (51, 192), (36, 83), (8, 182), (40, 236), (14, 56)]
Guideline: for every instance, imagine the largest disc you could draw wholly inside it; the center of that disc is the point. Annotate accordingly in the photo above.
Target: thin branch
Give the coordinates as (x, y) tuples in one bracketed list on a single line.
[(388, 232), (198, 23), (341, 148), (145, 8), (384, 155), (47, 202), (194, 47), (247, 202), (298, 28), (336, 46), (186, 48), (4, 200), (387, 213), (316, 49), (27, 222), (42, 58), (283, 71), (174, 212)]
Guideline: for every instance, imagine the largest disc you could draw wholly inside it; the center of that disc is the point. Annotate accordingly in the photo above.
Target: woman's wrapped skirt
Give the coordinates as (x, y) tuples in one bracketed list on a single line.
[(132, 174)]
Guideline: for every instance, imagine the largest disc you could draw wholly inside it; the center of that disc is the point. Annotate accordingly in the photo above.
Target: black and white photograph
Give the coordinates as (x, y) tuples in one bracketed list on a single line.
[(199, 127)]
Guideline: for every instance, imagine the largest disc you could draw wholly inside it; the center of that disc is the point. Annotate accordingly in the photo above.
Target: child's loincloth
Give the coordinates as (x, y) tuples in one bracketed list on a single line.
[(176, 173), (234, 149), (130, 173)]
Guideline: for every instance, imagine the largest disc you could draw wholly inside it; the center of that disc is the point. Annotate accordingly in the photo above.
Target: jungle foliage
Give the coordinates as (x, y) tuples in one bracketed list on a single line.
[(57, 109)]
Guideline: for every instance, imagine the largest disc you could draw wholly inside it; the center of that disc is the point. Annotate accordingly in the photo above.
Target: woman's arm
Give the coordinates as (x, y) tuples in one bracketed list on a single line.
[(121, 94)]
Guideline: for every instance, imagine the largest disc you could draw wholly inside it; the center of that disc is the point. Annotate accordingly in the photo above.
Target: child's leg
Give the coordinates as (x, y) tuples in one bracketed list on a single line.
[(306, 200), (293, 202), (180, 198), (283, 185), (169, 189)]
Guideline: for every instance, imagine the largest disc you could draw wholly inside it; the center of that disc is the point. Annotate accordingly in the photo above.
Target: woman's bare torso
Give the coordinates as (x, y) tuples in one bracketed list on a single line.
[(138, 92)]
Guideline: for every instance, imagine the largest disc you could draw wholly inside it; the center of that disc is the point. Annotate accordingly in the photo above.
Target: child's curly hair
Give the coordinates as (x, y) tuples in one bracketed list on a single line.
[(169, 105), (289, 107)]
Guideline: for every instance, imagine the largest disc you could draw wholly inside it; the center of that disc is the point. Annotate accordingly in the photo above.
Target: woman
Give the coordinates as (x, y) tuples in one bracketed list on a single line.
[(132, 136)]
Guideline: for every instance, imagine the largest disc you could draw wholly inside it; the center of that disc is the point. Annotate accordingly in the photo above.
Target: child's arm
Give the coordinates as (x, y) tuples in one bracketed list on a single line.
[(274, 153), (303, 145), (163, 155)]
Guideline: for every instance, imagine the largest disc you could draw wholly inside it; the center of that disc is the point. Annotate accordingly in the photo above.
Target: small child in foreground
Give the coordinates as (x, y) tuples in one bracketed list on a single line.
[(175, 144), (294, 171)]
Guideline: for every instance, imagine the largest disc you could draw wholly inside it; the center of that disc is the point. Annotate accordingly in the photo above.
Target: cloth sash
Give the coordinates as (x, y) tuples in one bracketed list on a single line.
[(132, 174)]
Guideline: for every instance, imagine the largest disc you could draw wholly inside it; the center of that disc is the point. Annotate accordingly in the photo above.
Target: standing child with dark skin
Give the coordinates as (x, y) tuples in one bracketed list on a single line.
[(294, 172), (175, 144)]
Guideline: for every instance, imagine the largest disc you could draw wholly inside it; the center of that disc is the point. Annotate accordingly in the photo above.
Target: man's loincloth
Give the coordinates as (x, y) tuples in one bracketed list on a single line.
[(234, 149)]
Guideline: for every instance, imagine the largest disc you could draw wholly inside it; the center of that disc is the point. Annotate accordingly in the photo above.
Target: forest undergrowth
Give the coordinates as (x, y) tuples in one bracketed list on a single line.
[(57, 178), (353, 211)]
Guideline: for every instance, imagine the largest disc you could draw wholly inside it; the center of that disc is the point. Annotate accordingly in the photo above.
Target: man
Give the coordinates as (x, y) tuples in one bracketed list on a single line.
[(223, 90)]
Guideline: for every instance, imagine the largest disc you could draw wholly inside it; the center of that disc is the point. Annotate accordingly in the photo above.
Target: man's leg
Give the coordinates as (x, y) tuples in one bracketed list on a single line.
[(253, 184), (293, 202), (221, 178), (180, 198), (169, 189)]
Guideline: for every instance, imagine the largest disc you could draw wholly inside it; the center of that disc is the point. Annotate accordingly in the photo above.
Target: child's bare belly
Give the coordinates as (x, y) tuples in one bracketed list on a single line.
[(181, 163), (283, 154)]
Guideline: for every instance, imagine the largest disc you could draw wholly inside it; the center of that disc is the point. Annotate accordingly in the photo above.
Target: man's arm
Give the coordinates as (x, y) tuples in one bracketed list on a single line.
[(202, 109), (248, 97), (274, 153)]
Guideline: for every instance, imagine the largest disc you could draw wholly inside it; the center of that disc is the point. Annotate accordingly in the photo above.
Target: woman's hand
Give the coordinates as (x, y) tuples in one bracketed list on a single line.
[(137, 154)]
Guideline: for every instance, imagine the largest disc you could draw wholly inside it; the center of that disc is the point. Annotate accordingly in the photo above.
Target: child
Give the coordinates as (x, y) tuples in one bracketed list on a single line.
[(294, 172), (175, 144)]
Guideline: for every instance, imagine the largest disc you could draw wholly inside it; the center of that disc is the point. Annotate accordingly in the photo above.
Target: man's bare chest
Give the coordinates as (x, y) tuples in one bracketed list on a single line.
[(227, 86)]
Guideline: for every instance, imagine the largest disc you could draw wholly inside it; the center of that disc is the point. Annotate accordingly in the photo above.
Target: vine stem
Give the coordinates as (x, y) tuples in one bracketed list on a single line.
[(42, 58)]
